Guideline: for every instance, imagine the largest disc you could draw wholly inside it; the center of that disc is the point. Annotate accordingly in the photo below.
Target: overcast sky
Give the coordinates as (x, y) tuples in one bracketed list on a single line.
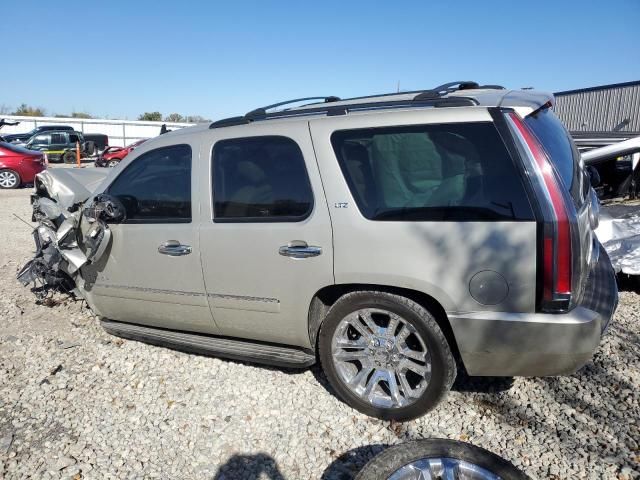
[(216, 59)]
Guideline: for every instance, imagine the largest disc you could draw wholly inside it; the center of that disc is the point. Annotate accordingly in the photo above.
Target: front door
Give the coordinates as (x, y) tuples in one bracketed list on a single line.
[(151, 273), (266, 236)]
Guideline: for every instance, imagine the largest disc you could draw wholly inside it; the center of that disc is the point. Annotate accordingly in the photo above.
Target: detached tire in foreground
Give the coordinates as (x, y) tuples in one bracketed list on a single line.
[(385, 355), (439, 459)]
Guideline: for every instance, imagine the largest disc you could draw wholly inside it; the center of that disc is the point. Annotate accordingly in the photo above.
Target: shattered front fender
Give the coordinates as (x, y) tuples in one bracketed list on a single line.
[(72, 231), (68, 186)]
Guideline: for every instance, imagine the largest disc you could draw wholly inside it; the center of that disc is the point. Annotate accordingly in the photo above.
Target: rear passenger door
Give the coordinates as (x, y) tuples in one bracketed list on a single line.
[(266, 235), (39, 142)]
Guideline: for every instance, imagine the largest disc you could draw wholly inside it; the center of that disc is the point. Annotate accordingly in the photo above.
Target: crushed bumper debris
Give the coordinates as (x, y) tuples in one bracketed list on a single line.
[(72, 233), (619, 233)]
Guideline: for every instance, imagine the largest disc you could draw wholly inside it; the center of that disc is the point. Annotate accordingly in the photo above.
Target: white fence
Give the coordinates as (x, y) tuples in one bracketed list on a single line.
[(120, 132)]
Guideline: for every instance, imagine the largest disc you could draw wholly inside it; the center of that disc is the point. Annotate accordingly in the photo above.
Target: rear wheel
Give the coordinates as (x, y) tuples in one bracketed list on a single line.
[(436, 458), (385, 355), (9, 179)]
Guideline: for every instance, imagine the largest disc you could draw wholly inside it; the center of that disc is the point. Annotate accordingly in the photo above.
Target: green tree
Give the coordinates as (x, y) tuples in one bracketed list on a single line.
[(151, 117), (174, 117), (80, 115), (28, 111), (196, 119)]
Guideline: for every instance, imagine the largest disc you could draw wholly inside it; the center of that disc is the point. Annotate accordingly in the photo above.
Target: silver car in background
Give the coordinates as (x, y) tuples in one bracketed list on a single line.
[(394, 239)]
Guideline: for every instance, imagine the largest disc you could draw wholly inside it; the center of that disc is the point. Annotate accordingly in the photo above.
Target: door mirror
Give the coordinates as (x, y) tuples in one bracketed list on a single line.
[(106, 208), (594, 176)]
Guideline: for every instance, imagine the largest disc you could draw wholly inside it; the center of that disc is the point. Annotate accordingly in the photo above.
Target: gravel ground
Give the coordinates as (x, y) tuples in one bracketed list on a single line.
[(76, 402)]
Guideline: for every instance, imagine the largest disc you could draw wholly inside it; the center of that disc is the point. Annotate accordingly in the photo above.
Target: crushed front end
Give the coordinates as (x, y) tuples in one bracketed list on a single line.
[(72, 231)]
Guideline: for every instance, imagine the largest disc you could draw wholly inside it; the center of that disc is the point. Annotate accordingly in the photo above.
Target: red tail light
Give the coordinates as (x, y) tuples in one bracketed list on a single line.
[(556, 245)]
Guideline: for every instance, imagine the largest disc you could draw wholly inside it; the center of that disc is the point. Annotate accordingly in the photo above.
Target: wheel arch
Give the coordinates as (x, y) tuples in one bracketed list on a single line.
[(327, 296)]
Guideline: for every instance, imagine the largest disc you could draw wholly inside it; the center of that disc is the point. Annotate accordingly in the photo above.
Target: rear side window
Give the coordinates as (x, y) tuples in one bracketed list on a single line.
[(156, 186), (556, 140), (459, 172), (260, 179)]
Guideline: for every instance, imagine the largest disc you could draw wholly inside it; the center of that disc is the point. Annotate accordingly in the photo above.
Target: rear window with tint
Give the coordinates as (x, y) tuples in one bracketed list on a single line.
[(558, 143), (458, 172)]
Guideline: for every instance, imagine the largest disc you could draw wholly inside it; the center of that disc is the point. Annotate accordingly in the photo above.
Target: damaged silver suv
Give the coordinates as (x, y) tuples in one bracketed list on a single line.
[(396, 239)]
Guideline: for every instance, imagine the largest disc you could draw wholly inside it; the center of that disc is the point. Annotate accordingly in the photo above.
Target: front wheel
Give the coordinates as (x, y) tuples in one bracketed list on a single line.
[(9, 179), (113, 163), (437, 458), (385, 355), (69, 157)]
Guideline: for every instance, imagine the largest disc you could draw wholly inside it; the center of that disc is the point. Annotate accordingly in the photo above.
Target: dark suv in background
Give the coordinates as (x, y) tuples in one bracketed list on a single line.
[(24, 137), (60, 146)]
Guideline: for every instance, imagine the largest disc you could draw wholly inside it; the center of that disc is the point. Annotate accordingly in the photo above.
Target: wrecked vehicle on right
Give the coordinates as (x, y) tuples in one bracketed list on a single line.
[(392, 238)]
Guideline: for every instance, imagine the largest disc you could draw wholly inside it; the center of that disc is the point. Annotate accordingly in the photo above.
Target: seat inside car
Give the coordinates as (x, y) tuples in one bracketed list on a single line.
[(250, 190)]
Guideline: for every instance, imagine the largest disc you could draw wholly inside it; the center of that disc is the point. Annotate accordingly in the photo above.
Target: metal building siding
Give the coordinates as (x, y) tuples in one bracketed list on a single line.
[(601, 109)]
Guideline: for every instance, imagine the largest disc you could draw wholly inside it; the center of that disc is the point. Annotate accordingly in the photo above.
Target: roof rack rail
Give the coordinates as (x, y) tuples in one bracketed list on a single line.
[(262, 111), (332, 110), (434, 97), (230, 122), (491, 87)]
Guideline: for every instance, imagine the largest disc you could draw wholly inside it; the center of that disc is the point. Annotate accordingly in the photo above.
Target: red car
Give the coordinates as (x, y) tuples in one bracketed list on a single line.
[(18, 166), (112, 155)]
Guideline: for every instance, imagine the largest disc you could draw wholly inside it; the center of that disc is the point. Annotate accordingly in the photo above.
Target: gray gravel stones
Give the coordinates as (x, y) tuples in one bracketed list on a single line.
[(78, 403)]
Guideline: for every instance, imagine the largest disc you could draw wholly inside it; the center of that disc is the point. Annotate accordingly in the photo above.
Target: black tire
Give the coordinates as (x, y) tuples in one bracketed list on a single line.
[(69, 157), (443, 366), (8, 174), (382, 466), (112, 163)]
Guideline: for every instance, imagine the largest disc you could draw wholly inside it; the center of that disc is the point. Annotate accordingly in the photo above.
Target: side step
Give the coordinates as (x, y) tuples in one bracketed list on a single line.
[(243, 350)]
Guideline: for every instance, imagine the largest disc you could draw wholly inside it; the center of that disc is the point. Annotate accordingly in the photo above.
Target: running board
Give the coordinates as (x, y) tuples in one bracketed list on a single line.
[(242, 350)]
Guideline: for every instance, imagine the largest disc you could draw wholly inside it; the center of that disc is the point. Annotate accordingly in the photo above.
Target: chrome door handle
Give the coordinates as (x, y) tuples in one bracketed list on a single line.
[(299, 249), (174, 248)]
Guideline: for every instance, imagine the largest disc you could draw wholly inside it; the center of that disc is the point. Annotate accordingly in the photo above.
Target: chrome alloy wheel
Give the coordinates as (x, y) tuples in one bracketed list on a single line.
[(8, 179), (442, 468), (381, 358)]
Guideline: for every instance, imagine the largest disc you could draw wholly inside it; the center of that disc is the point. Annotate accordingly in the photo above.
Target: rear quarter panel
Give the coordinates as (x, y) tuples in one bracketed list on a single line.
[(437, 258)]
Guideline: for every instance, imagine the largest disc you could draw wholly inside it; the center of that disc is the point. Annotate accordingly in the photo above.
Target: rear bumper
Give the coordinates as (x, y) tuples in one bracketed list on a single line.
[(538, 344)]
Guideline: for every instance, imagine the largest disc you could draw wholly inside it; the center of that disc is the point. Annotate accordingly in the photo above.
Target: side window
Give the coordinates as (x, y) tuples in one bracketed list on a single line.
[(73, 138), (41, 140), (156, 187), (260, 179), (57, 138), (457, 172)]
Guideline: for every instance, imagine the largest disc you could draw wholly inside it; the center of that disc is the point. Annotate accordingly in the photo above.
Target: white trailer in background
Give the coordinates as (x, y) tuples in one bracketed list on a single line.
[(120, 132)]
